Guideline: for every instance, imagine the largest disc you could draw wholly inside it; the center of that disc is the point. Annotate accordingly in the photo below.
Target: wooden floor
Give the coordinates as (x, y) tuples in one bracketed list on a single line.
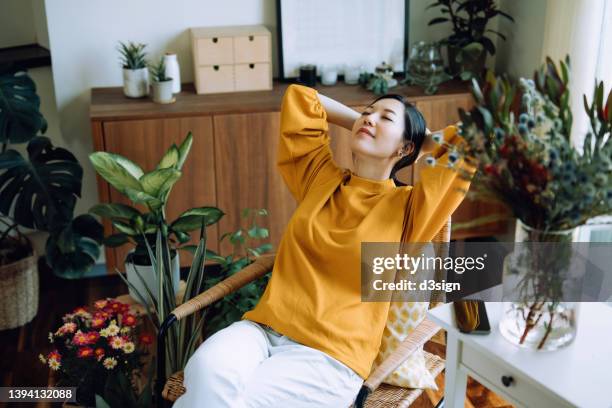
[(19, 348)]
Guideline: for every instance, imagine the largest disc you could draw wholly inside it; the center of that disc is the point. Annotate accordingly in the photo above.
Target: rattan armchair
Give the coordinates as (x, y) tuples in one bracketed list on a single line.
[(373, 393)]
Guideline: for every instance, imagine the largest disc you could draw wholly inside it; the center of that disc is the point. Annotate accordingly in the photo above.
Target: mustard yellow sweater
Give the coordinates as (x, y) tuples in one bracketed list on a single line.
[(313, 296)]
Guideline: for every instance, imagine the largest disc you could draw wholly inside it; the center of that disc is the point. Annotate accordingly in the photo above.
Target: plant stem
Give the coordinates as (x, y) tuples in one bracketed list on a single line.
[(548, 330)]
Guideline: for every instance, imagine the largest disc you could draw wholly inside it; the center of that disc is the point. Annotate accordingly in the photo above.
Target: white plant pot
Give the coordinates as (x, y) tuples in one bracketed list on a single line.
[(136, 82), (162, 92), (150, 278)]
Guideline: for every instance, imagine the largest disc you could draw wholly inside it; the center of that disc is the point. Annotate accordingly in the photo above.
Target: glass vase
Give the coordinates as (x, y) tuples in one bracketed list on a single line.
[(537, 280), (425, 67)]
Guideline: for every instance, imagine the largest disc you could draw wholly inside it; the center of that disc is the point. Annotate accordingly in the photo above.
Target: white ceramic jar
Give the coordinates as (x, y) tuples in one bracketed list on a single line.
[(173, 71)]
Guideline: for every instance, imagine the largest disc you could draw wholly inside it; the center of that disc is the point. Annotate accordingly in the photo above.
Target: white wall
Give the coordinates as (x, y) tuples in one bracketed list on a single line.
[(521, 54), (16, 23)]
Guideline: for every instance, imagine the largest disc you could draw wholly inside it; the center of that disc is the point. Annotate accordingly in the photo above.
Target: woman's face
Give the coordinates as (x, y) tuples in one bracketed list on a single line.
[(378, 133)]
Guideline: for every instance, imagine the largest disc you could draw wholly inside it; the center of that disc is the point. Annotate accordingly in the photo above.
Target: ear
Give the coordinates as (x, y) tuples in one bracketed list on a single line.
[(406, 149)]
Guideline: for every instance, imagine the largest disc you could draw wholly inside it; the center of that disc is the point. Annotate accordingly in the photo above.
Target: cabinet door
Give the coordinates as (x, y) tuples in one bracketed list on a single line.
[(145, 142), (438, 114), (247, 176)]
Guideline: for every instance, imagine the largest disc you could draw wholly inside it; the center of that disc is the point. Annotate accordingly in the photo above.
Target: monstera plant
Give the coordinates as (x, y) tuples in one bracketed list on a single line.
[(39, 191)]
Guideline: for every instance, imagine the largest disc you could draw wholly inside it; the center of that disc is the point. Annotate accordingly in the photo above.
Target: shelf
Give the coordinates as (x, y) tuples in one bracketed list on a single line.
[(26, 56)]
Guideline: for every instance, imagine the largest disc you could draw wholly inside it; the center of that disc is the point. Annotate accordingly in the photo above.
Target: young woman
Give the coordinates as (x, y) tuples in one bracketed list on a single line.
[(311, 342)]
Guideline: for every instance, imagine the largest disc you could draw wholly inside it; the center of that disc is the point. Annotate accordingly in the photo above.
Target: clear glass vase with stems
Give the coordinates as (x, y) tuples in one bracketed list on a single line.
[(537, 282)]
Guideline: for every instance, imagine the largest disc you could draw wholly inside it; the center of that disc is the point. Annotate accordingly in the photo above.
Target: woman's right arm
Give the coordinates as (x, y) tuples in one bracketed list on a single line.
[(304, 156)]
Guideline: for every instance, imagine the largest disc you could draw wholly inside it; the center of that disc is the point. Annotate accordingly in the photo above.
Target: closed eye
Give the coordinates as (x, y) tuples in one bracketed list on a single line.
[(389, 119)]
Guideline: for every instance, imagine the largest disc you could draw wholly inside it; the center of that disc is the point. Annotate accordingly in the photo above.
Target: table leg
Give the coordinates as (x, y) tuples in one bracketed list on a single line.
[(455, 379)]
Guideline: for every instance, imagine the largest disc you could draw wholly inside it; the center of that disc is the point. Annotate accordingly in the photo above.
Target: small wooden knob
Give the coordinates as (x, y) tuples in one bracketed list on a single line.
[(216, 67), (215, 39), (251, 66)]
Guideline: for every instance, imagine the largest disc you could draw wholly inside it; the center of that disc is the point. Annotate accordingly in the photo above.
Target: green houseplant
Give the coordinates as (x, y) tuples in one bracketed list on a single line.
[(152, 191), (37, 192), (520, 133), (470, 43), (135, 73), (231, 308), (162, 85)]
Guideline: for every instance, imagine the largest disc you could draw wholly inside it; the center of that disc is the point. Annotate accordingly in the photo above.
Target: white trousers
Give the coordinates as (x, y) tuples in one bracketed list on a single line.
[(248, 365)]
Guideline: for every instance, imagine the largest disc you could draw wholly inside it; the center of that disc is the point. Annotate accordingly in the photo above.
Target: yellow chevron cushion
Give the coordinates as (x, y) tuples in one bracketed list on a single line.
[(403, 318)]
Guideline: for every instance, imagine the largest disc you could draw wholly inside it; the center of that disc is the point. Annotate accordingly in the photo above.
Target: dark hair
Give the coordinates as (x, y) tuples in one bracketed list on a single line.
[(414, 131)]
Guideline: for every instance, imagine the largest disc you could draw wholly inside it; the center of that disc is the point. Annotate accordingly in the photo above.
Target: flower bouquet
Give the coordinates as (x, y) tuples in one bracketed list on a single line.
[(520, 134), (100, 352)]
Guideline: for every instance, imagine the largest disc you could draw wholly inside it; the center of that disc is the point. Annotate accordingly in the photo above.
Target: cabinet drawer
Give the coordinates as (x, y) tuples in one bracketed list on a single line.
[(520, 389), (215, 79), (252, 48), (253, 77), (214, 50)]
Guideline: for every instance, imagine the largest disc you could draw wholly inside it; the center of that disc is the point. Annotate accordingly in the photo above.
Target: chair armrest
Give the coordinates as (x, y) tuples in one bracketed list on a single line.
[(421, 334), (262, 265)]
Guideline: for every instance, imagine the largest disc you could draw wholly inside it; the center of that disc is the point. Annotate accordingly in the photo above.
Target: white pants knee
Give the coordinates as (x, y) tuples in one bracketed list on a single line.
[(249, 366)]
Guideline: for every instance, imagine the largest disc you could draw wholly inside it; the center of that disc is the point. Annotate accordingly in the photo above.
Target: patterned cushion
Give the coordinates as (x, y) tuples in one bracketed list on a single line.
[(403, 318)]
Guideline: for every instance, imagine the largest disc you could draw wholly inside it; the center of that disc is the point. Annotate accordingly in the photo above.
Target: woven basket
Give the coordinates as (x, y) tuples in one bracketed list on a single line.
[(18, 292)]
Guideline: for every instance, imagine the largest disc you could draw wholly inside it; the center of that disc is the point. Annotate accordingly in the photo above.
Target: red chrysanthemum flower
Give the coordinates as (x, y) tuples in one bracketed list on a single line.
[(85, 352), (97, 322), (55, 355), (100, 304), (99, 352), (129, 320), (80, 339), (92, 336)]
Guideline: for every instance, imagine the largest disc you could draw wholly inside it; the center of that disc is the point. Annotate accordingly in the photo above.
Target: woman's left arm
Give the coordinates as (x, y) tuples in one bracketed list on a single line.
[(442, 185)]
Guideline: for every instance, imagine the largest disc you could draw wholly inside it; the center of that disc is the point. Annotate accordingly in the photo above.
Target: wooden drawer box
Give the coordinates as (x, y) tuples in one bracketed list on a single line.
[(214, 51), (215, 78), (252, 77), (232, 59)]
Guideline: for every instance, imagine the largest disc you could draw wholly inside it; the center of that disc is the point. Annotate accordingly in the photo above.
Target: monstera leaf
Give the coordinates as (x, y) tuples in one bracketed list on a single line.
[(39, 193), (20, 119), (72, 249)]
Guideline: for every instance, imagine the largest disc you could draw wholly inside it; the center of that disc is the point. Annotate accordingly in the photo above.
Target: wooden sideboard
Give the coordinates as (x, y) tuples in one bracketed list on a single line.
[(232, 164)]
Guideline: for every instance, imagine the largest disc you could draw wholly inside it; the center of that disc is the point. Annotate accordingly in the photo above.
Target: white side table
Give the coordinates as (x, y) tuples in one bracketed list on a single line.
[(577, 375)]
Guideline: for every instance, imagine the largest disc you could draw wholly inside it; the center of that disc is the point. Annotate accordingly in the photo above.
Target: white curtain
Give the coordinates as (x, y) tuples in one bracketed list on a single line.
[(581, 29)]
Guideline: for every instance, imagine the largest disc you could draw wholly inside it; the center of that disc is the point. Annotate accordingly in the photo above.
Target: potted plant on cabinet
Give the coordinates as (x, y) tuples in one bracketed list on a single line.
[(135, 72), (469, 45), (162, 85), (38, 192)]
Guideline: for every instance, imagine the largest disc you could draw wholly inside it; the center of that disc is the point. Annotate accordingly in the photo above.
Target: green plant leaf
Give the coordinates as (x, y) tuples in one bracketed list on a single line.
[(116, 240), (184, 149), (118, 171), (73, 250), (438, 20), (115, 210), (192, 219), (20, 118), (40, 192), (101, 403), (125, 228), (157, 182), (170, 159)]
